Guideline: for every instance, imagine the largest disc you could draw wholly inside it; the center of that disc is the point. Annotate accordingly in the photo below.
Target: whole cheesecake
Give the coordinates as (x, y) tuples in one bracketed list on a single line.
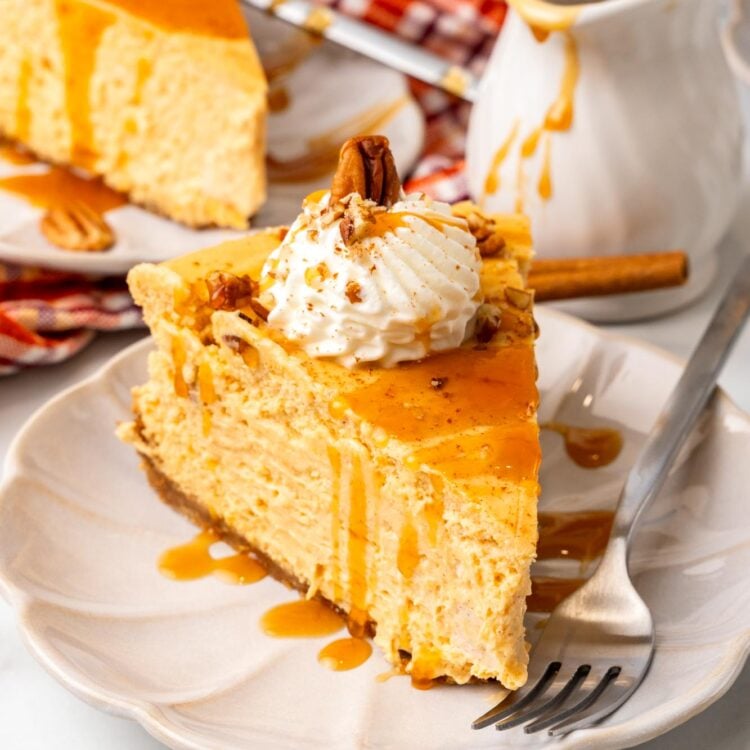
[(377, 457), (166, 99)]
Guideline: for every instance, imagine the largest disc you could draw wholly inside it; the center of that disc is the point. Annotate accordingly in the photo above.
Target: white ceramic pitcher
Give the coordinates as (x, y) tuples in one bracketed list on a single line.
[(618, 132)]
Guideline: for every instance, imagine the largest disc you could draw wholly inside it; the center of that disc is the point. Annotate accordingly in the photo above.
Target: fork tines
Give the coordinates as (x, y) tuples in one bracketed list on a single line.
[(542, 706)]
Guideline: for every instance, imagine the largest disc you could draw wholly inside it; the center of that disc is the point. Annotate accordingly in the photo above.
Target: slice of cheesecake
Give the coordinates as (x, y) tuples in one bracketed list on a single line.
[(405, 496), (165, 100)]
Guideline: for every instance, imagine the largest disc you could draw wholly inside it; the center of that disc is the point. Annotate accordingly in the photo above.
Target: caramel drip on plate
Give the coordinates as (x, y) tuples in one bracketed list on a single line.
[(321, 155), (59, 186), (305, 618), (408, 557), (81, 27), (23, 110), (193, 560), (278, 99), (574, 536), (345, 654), (547, 592), (14, 154), (590, 448)]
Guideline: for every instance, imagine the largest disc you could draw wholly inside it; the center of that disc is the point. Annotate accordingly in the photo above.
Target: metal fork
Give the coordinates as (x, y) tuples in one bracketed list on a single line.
[(599, 642)]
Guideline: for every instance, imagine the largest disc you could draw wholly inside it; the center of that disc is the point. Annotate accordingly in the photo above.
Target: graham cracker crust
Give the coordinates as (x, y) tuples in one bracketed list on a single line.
[(197, 513)]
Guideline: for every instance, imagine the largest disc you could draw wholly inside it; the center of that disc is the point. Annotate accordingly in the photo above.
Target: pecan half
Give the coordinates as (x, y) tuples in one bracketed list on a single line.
[(77, 227), (366, 167)]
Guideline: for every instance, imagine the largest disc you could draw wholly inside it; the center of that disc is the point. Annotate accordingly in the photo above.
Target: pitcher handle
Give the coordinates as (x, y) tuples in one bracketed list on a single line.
[(736, 38)]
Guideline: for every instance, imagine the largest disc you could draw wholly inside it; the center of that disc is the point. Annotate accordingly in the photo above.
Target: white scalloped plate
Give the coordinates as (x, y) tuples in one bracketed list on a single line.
[(317, 108), (80, 533)]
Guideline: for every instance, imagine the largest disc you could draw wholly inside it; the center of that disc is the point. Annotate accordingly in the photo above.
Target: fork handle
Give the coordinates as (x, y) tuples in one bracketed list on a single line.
[(684, 405)]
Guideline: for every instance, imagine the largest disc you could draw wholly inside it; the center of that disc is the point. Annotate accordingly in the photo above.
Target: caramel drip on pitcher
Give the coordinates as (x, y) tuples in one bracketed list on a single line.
[(542, 19)]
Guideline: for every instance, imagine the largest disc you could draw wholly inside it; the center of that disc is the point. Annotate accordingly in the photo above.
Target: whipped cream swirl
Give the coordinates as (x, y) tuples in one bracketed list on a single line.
[(405, 284)]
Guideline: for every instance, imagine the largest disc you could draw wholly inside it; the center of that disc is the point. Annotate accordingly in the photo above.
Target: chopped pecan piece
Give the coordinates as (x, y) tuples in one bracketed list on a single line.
[(488, 323), (366, 167), (519, 298), (484, 228), (229, 292), (353, 292), (77, 227)]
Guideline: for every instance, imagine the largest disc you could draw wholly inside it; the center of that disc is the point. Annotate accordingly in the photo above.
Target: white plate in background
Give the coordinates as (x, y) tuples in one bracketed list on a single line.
[(321, 104)]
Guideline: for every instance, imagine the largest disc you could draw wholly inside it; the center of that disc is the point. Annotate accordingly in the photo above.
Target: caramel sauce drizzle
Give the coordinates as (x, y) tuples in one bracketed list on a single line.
[(548, 592), (345, 653), (193, 560), (59, 186), (408, 555), (543, 19), (219, 18), (179, 357), (278, 99), (334, 458), (304, 618), (574, 536), (357, 552), (479, 412), (590, 448), (23, 111), (12, 153), (492, 181), (81, 27)]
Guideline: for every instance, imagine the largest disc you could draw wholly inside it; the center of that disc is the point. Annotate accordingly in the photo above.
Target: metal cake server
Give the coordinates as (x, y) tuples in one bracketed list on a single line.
[(599, 642), (373, 43)]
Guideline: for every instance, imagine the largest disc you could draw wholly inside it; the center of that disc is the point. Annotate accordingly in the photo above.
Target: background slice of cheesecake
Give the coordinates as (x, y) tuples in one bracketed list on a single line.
[(405, 497), (166, 99)]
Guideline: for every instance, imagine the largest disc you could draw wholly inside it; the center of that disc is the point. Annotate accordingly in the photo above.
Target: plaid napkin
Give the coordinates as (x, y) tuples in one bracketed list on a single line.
[(48, 316)]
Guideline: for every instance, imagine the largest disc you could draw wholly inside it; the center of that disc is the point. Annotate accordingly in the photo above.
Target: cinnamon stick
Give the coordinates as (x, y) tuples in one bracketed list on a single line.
[(568, 278)]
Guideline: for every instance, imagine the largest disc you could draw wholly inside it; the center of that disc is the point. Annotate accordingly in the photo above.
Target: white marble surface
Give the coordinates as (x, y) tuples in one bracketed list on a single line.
[(37, 713)]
